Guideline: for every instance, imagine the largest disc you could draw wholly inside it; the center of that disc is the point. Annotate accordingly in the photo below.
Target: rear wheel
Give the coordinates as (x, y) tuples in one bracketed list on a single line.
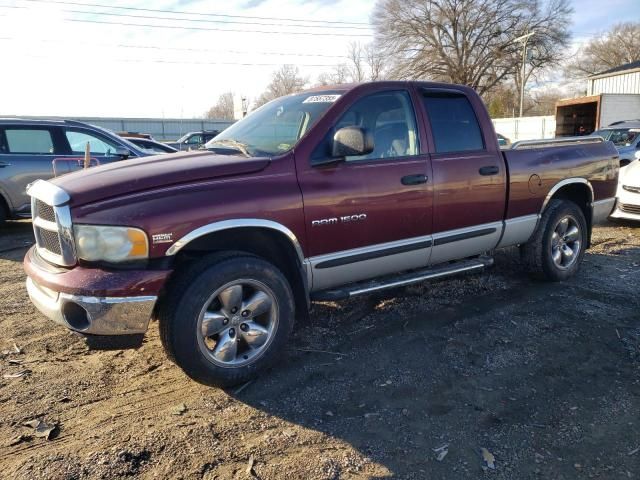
[(227, 319), (557, 247)]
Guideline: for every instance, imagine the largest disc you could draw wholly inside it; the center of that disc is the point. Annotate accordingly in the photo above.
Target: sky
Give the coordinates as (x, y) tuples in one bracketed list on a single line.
[(89, 58)]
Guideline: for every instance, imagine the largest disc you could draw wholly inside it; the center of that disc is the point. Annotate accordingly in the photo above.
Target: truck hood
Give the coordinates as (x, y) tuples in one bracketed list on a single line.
[(149, 173)]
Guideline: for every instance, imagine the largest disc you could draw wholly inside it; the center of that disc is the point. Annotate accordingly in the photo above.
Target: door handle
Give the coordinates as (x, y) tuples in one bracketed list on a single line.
[(414, 179), (489, 170), (4, 164)]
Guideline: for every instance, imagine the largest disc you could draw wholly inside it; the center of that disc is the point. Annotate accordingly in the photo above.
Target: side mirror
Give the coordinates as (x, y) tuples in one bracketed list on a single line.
[(352, 141), (122, 152)]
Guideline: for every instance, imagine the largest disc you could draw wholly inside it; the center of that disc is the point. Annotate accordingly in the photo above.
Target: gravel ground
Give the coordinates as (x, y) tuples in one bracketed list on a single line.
[(545, 377)]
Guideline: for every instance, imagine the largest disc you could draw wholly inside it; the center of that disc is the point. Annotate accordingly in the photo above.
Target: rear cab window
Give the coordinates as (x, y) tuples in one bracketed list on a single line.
[(454, 124)]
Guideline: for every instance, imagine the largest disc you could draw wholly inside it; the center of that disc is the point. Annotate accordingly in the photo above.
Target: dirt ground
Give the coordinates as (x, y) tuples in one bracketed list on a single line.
[(546, 377)]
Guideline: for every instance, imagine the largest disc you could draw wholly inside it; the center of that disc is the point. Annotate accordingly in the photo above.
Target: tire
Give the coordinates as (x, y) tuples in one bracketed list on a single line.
[(4, 213), (203, 326), (547, 256)]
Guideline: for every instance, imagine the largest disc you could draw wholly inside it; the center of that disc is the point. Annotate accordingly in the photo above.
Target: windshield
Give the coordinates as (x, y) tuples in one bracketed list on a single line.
[(276, 127), (184, 138), (621, 137)]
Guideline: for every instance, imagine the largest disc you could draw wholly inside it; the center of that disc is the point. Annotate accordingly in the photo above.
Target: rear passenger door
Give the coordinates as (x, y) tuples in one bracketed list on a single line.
[(26, 155), (469, 175)]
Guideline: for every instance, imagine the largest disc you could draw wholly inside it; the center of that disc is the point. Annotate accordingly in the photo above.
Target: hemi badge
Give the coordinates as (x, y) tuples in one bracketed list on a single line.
[(162, 238)]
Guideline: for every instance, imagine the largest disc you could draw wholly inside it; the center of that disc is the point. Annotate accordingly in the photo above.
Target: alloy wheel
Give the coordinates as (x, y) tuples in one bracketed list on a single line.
[(237, 323), (566, 242)]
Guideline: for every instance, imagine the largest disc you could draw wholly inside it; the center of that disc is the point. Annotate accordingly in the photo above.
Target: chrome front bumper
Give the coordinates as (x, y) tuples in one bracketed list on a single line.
[(93, 315)]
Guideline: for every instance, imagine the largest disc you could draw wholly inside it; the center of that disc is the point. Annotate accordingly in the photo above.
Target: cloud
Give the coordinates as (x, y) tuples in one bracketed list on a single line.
[(254, 3)]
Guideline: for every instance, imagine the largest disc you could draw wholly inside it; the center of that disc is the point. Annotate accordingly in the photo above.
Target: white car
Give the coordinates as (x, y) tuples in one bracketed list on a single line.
[(628, 204)]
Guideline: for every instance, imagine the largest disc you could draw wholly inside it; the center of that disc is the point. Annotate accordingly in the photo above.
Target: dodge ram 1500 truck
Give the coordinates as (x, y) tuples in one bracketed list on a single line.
[(321, 195)]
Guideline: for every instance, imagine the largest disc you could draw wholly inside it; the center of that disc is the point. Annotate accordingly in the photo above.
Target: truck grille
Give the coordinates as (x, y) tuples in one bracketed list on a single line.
[(49, 241), (45, 211), (635, 209), (52, 226)]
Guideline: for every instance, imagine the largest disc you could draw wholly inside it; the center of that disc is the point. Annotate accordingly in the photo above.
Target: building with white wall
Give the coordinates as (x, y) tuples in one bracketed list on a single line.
[(624, 79)]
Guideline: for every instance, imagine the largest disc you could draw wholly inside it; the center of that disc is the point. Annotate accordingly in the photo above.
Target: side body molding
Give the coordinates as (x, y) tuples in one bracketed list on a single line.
[(237, 223)]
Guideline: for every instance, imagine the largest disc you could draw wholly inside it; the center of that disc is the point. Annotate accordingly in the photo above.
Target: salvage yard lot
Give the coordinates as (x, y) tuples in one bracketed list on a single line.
[(546, 377)]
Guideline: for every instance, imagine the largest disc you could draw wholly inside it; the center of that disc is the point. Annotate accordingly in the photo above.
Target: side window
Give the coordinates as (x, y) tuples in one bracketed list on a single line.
[(25, 140), (389, 116), (453, 122), (98, 146), (194, 140)]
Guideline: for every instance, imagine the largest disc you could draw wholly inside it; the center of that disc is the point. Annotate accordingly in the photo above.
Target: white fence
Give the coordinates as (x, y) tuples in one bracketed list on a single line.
[(526, 128)]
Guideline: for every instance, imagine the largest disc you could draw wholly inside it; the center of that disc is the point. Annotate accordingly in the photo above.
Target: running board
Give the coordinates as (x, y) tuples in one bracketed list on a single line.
[(409, 278)]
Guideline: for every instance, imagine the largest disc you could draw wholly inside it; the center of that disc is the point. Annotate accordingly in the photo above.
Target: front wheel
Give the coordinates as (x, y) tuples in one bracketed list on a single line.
[(556, 249), (228, 319)]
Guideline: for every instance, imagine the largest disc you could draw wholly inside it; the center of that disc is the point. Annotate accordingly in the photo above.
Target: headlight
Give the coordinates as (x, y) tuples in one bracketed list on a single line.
[(110, 244)]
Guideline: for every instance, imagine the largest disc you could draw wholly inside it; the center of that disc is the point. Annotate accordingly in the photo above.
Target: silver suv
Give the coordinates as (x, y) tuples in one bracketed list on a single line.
[(28, 149)]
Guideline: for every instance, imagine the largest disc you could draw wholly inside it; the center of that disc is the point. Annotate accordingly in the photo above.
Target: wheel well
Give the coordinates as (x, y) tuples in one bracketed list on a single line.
[(580, 194), (271, 245), (5, 213)]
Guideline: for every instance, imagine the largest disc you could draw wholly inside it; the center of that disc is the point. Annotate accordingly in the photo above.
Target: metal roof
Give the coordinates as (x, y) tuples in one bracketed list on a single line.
[(618, 69)]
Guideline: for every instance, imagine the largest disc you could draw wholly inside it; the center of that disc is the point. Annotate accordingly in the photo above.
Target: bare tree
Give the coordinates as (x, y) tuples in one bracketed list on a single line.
[(364, 63), (340, 74), (356, 62), (284, 81), (611, 49), (223, 109), (470, 42), (375, 62)]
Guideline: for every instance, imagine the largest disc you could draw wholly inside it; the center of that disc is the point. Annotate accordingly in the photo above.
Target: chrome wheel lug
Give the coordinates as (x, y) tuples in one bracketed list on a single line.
[(245, 313), (244, 327), (234, 310), (232, 332)]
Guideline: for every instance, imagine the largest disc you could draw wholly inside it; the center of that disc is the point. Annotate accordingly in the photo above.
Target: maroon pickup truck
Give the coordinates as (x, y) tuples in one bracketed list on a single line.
[(322, 195)]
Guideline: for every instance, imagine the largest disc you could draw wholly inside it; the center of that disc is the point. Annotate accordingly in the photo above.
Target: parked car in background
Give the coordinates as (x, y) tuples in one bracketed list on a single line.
[(628, 202), (193, 140), (503, 141), (28, 148), (625, 136), (152, 147), (135, 135), (319, 196)]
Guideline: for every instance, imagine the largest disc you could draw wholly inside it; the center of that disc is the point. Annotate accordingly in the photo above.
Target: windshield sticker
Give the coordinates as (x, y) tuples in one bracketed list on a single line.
[(322, 99)]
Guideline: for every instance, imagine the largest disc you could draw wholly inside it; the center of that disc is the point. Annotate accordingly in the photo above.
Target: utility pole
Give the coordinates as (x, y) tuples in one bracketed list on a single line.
[(524, 39)]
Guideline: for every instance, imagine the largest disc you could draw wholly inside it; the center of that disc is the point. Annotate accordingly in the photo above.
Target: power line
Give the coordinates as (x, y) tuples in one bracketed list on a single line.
[(200, 20), (177, 49), (179, 62), (179, 27), (61, 2)]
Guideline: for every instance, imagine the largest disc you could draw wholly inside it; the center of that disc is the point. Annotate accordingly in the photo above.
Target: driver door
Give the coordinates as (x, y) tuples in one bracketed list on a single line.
[(369, 215)]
